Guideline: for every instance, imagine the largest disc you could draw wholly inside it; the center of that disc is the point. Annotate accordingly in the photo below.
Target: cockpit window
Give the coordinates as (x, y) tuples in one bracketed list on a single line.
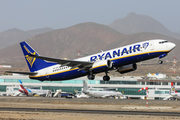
[(163, 42)]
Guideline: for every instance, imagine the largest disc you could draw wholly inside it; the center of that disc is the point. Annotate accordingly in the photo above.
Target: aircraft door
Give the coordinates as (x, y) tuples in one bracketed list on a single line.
[(152, 45), (47, 76)]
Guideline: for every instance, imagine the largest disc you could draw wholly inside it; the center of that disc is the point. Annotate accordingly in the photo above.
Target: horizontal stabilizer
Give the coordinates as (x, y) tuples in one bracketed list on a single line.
[(23, 73)]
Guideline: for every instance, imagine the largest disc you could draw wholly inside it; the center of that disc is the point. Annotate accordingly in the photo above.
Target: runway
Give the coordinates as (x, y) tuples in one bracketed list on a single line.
[(131, 102), (91, 111), (75, 109)]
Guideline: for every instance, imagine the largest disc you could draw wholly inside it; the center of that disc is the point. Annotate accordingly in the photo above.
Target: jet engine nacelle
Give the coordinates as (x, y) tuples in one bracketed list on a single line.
[(127, 68), (101, 65)]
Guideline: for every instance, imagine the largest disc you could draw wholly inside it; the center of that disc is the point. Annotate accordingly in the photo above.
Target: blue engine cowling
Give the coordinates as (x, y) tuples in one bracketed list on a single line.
[(163, 55)]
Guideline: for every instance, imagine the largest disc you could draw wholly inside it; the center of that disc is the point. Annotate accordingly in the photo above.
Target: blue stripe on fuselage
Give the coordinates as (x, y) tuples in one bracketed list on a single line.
[(62, 76), (135, 59)]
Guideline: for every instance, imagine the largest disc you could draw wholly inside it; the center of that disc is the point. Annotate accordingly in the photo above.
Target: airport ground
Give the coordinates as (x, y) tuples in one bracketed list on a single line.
[(94, 105)]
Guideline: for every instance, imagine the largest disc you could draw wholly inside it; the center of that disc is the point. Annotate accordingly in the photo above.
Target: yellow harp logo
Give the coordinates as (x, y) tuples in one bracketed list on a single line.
[(173, 89), (30, 60)]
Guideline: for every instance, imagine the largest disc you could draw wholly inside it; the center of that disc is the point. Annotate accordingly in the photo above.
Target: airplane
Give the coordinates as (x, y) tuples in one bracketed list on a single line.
[(27, 92), (99, 94), (122, 59), (31, 92), (174, 92)]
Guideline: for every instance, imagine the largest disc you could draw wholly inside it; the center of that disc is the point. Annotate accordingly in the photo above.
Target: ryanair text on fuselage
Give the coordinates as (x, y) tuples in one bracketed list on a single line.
[(116, 53)]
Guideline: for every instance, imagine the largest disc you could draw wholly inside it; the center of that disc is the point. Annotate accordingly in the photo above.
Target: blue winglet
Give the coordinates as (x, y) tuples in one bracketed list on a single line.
[(29, 90), (20, 81)]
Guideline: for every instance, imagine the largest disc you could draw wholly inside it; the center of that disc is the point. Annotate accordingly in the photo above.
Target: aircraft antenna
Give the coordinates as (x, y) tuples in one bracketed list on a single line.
[(79, 54)]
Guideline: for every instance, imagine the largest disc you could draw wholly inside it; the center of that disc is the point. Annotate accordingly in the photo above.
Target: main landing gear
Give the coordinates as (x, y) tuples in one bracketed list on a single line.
[(106, 77), (91, 77)]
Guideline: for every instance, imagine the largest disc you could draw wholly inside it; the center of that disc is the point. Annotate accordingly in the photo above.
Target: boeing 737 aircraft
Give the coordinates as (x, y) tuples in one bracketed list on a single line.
[(122, 59), (102, 94)]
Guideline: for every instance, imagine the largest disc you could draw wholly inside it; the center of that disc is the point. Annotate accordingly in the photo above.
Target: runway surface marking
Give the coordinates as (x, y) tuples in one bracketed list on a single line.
[(92, 111)]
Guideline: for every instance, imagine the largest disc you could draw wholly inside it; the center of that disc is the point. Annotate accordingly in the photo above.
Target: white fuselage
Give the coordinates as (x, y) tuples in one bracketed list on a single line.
[(102, 94), (176, 95)]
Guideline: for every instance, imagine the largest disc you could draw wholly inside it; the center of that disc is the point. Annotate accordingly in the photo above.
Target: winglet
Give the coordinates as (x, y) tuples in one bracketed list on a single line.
[(85, 87), (20, 81), (29, 90)]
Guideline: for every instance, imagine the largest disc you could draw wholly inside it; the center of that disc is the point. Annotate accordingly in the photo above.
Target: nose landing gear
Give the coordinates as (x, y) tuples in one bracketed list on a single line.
[(160, 62), (161, 56)]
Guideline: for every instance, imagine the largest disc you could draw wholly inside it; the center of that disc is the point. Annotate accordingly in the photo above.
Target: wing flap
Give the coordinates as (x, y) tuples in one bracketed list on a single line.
[(23, 73)]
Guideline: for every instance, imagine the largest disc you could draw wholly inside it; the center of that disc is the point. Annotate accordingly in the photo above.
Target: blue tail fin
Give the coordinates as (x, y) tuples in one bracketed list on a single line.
[(34, 64)]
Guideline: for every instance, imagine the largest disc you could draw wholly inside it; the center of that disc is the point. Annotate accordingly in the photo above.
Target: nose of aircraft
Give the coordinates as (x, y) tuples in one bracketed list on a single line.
[(172, 46)]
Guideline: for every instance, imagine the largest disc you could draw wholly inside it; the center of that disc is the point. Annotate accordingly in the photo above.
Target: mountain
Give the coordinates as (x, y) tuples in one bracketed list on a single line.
[(39, 31), (135, 23), (177, 35), (12, 36), (88, 38), (65, 43)]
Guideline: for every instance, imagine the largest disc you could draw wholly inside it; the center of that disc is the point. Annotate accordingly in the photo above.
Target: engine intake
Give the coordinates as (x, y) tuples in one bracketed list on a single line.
[(127, 68)]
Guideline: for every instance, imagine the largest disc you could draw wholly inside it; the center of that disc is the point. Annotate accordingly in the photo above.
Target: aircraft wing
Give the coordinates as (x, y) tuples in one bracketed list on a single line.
[(17, 94), (72, 63), (23, 73), (40, 93)]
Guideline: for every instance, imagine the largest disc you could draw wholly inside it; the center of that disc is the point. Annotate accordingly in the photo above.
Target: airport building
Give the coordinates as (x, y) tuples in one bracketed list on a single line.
[(128, 85)]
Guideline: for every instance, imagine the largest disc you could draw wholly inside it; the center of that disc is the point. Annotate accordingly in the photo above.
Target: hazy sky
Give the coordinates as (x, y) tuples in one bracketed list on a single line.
[(33, 14)]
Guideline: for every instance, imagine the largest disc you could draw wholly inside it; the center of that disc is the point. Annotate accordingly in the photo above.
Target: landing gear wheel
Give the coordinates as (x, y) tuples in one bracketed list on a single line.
[(160, 62), (106, 78), (91, 77)]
